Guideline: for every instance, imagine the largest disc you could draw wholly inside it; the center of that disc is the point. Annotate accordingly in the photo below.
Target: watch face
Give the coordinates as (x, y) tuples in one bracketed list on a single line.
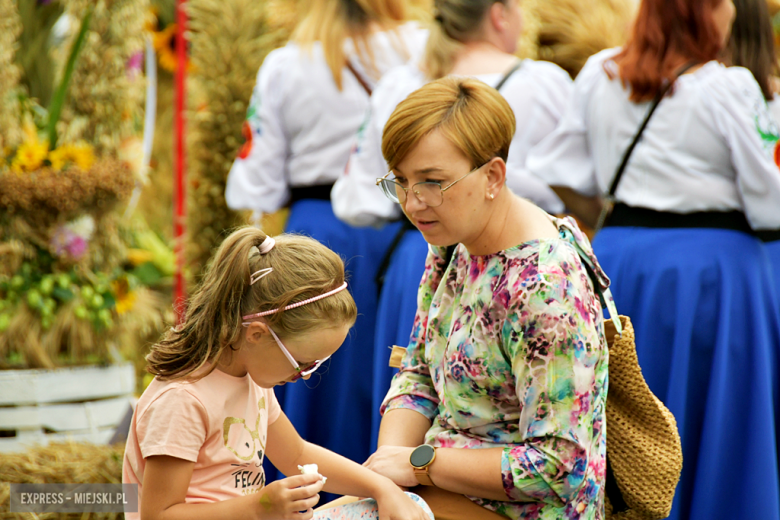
[(422, 456)]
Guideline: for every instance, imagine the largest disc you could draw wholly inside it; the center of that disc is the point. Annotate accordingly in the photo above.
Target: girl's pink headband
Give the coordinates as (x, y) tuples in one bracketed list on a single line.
[(264, 248), (297, 304)]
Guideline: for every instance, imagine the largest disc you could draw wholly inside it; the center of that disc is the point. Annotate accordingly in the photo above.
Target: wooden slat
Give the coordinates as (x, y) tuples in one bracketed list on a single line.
[(23, 387), (38, 438), (66, 417)]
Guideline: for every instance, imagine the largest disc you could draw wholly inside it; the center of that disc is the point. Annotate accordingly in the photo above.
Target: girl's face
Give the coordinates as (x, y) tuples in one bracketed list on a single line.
[(261, 357), (462, 215), (723, 15)]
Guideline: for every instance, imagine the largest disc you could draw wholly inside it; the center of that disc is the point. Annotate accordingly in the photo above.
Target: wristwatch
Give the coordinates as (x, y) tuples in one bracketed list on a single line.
[(421, 459)]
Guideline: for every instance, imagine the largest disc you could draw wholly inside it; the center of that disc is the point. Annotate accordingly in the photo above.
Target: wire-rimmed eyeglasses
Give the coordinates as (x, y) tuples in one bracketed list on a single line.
[(302, 371), (429, 193)]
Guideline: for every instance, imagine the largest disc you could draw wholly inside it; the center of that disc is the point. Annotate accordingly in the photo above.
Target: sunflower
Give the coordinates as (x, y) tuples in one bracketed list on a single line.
[(125, 296), (164, 42), (30, 156), (79, 154)]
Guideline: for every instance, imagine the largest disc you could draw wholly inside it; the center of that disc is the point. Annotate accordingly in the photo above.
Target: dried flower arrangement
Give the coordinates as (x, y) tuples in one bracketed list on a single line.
[(74, 280)]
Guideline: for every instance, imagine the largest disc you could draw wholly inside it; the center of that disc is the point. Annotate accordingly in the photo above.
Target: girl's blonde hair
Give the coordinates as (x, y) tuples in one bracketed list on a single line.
[(302, 268), (330, 22), (472, 115), (455, 22)]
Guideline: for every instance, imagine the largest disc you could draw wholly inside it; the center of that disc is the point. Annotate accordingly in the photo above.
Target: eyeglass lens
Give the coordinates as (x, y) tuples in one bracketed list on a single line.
[(310, 368), (429, 193)]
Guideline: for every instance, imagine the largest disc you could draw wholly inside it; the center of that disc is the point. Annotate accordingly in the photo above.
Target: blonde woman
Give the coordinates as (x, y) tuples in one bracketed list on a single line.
[(476, 38), (501, 394), (306, 108)]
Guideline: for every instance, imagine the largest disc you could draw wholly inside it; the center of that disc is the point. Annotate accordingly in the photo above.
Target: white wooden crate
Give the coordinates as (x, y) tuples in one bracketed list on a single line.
[(81, 404)]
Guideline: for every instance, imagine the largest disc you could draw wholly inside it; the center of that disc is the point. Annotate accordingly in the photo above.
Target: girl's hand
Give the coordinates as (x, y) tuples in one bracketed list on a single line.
[(287, 498), (396, 505), (393, 463)]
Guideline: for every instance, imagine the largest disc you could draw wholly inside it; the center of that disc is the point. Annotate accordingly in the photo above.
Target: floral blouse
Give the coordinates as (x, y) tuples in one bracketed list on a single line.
[(508, 350)]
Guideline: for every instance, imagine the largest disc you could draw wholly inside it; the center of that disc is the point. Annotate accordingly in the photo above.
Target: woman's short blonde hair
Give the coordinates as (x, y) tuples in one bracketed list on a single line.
[(471, 114)]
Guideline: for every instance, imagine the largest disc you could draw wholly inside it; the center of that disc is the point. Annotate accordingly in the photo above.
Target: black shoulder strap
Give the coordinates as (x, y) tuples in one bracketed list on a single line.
[(511, 71), (656, 101), (384, 265)]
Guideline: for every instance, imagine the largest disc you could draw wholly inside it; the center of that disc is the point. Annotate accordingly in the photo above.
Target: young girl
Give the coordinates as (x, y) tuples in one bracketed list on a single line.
[(268, 312)]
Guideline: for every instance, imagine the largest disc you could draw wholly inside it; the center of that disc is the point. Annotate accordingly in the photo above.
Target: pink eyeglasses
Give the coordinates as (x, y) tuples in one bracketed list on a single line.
[(302, 371)]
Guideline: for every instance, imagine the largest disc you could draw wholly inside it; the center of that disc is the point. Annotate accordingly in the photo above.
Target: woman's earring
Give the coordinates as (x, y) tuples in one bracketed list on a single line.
[(492, 196)]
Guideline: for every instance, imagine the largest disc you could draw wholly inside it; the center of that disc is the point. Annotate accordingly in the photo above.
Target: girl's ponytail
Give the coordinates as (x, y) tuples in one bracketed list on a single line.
[(213, 312), (455, 22)]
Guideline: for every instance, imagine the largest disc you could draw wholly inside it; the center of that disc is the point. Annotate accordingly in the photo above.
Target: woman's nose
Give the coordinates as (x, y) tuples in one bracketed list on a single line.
[(413, 203)]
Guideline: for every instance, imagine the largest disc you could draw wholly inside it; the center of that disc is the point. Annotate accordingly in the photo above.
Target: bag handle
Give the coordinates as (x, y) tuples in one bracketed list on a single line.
[(363, 82), (511, 71), (609, 199)]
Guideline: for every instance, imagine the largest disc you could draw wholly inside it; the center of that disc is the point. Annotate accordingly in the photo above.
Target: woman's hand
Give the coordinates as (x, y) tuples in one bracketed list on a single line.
[(393, 463), (286, 498), (396, 505)]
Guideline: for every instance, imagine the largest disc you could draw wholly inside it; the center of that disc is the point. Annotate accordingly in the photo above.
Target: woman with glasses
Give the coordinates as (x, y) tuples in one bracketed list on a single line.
[(306, 108), (682, 243), (501, 394), (476, 38)]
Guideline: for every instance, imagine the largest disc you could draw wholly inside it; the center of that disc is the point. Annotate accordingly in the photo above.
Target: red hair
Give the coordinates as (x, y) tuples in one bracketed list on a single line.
[(667, 34)]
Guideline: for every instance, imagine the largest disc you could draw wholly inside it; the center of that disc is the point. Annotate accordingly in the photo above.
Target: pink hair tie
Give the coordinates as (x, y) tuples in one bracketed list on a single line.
[(266, 245), (297, 304)]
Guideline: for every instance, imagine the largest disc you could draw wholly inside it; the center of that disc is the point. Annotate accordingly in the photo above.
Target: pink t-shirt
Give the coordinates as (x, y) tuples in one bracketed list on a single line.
[(219, 422)]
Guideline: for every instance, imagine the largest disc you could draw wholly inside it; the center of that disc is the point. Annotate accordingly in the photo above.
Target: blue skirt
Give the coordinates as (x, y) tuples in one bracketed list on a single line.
[(395, 315), (708, 341), (773, 248), (333, 408)]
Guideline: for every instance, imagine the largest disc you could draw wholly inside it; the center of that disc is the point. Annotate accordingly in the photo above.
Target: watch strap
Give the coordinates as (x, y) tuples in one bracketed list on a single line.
[(422, 476)]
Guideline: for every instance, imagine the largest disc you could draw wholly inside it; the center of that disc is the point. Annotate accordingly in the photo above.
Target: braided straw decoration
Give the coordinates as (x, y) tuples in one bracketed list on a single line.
[(643, 445), (229, 43), (10, 29), (104, 100)]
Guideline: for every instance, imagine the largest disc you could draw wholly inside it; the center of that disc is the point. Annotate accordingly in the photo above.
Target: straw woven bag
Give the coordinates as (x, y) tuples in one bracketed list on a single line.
[(644, 455)]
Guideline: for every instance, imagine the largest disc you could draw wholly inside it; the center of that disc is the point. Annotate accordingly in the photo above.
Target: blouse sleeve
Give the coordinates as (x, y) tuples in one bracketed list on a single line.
[(563, 158), (560, 369), (175, 424), (742, 115), (257, 179), (412, 387)]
